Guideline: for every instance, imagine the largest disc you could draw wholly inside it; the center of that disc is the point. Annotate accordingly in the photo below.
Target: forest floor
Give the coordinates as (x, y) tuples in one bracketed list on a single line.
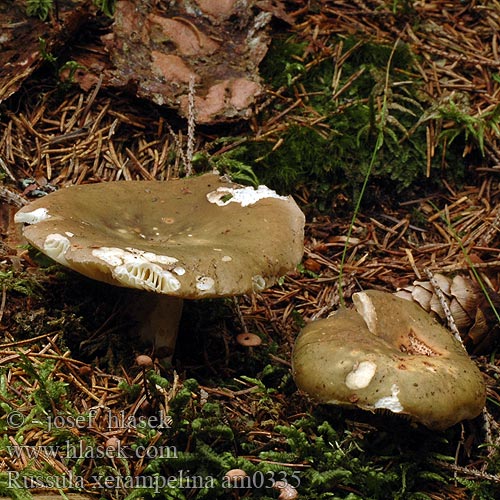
[(416, 87)]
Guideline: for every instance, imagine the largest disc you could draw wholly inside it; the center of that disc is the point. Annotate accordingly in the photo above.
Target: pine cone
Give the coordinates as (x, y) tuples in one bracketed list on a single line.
[(469, 307)]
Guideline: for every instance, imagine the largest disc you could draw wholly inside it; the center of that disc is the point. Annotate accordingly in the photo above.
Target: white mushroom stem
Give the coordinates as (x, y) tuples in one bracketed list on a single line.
[(158, 317)]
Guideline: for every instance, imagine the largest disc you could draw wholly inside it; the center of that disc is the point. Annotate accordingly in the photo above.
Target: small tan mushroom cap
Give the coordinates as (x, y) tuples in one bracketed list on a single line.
[(389, 354), (198, 237)]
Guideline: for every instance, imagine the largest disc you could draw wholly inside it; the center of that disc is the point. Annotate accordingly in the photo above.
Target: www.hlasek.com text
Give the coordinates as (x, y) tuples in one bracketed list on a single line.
[(82, 450)]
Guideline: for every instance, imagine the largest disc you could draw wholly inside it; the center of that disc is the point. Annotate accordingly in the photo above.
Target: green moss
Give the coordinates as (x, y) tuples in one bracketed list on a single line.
[(26, 284), (282, 62), (39, 8), (334, 154)]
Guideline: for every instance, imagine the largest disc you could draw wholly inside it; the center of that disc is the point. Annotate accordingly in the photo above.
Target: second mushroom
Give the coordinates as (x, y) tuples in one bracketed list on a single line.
[(389, 354)]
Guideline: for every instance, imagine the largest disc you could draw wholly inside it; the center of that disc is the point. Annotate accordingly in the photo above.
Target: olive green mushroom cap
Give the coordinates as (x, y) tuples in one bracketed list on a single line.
[(196, 237), (389, 354)]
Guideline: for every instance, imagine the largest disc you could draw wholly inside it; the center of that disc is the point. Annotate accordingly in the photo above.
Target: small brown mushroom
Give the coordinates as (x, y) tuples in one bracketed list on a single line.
[(113, 445), (191, 238), (235, 476), (287, 491), (248, 339), (144, 361), (389, 354), (85, 370)]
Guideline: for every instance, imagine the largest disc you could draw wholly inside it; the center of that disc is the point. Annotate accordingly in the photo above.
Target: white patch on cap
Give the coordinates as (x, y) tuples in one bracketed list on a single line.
[(361, 375), (147, 276), (112, 256), (391, 402), (258, 283), (152, 257), (226, 258), (117, 256), (204, 283), (139, 269), (56, 246), (244, 196), (33, 217), (179, 271), (366, 310)]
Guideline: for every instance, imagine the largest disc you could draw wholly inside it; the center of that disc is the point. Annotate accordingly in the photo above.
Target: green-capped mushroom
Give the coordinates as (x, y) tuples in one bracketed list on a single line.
[(191, 238), (389, 354)]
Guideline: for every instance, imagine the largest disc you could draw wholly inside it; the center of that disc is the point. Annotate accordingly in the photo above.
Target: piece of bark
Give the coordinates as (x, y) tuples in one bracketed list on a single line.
[(156, 49)]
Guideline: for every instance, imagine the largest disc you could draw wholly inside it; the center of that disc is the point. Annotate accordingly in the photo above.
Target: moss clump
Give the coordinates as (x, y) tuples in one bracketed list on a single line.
[(328, 142)]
